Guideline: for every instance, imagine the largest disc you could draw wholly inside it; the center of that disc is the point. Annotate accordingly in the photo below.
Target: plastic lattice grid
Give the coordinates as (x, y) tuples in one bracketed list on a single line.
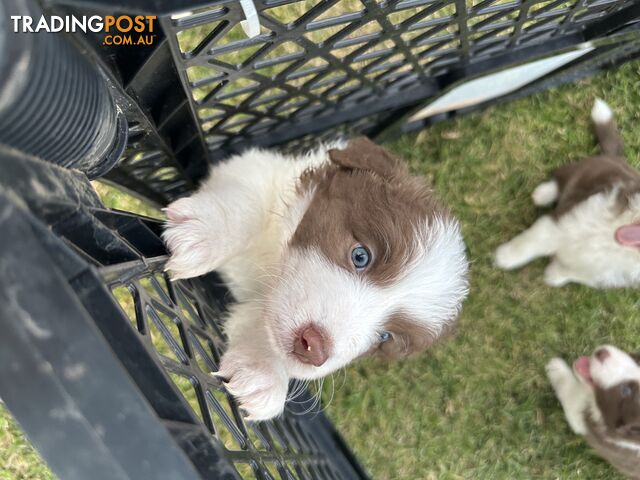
[(152, 167), (315, 55), (183, 329), (147, 166)]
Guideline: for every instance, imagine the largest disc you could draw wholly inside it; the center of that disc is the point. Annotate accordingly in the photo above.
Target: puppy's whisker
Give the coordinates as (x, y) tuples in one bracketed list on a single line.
[(333, 391), (300, 389), (314, 400), (344, 377), (318, 400)]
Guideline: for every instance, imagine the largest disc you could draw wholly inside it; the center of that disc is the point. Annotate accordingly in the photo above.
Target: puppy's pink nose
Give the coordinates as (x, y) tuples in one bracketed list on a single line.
[(602, 354), (310, 347)]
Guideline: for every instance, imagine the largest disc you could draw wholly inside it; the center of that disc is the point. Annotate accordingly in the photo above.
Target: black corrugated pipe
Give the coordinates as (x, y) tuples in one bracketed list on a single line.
[(54, 104)]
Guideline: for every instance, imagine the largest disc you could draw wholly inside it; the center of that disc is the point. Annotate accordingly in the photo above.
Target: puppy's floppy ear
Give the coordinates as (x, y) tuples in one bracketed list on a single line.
[(362, 154)]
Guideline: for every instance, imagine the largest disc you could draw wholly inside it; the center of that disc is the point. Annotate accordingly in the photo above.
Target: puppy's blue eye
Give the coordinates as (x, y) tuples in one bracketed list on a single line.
[(626, 390), (384, 336), (360, 257)]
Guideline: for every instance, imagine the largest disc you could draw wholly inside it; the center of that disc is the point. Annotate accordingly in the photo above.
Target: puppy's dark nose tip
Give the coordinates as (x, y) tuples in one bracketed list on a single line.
[(310, 346), (602, 354)]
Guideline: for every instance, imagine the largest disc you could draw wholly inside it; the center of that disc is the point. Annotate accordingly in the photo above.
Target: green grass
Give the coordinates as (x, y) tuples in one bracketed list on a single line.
[(18, 459), (115, 198), (478, 406)]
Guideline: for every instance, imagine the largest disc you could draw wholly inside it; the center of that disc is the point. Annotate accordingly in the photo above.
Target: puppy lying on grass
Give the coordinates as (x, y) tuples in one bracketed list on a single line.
[(593, 235), (601, 400), (331, 256)]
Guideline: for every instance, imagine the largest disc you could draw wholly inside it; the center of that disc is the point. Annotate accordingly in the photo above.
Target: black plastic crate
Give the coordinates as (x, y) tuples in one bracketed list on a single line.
[(326, 68)]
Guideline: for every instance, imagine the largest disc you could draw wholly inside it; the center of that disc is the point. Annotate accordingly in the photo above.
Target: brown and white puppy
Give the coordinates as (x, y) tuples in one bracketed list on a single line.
[(601, 400), (594, 233), (331, 256)]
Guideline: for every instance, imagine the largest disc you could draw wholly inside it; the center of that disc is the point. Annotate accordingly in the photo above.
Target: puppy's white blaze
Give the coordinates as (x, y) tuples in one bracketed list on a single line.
[(601, 112), (617, 368), (316, 290), (434, 284)]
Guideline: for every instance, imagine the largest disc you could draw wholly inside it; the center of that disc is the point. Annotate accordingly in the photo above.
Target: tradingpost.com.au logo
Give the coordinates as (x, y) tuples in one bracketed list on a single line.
[(120, 30)]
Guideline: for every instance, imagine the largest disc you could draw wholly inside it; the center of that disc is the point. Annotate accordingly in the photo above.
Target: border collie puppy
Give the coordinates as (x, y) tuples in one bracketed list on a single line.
[(331, 256), (593, 235), (601, 400)]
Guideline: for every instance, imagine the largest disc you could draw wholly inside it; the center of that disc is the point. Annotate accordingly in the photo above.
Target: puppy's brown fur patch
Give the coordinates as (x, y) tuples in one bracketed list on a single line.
[(366, 197), (580, 180), (620, 409)]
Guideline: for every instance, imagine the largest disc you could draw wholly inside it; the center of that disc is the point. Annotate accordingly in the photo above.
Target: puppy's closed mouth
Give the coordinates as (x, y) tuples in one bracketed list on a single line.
[(582, 368)]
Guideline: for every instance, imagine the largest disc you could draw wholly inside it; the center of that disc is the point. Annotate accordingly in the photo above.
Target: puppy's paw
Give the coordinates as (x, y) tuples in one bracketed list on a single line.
[(260, 388), (545, 194), (193, 238), (558, 372), (507, 257)]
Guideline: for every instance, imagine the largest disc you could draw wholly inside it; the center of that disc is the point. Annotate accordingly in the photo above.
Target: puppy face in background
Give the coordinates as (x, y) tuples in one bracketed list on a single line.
[(614, 377), (374, 265), (601, 401)]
